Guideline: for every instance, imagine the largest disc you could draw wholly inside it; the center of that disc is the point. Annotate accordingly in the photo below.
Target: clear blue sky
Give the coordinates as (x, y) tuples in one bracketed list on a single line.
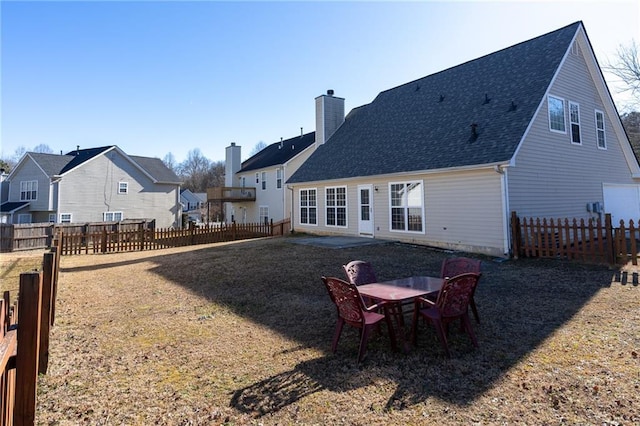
[(160, 77)]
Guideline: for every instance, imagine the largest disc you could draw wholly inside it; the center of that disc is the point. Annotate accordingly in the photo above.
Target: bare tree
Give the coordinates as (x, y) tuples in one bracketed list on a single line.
[(631, 123), (627, 69), (43, 149), (259, 147), (193, 171), (169, 160)]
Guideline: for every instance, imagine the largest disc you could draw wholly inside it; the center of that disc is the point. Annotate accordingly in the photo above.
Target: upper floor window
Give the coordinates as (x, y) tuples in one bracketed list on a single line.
[(112, 216), (336, 203), (28, 190), (264, 180), (602, 141), (308, 207), (257, 177), (65, 217), (574, 118), (406, 203), (123, 187), (278, 178), (556, 115)]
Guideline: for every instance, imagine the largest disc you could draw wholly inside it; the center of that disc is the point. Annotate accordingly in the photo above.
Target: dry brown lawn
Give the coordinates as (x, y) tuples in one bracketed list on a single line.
[(240, 333)]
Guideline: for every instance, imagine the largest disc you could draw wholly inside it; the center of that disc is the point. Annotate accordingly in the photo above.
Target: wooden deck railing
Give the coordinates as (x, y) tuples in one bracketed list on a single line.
[(24, 340), (587, 240)]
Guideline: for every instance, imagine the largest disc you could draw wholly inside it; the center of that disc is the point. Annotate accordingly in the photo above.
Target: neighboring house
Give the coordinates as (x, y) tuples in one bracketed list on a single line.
[(193, 204), (91, 185), (255, 189), (444, 159)]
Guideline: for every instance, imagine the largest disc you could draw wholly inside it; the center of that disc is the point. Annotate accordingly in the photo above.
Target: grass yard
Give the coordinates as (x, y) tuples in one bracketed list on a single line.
[(240, 333)]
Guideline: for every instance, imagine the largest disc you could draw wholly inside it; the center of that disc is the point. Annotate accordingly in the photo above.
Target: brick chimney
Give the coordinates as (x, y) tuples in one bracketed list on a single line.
[(329, 116)]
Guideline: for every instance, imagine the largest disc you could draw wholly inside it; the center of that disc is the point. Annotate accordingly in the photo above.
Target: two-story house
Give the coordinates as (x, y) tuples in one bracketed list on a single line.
[(91, 185), (255, 189), (444, 160)]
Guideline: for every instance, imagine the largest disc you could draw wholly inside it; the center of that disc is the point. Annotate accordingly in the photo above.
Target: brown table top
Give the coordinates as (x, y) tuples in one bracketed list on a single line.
[(401, 289)]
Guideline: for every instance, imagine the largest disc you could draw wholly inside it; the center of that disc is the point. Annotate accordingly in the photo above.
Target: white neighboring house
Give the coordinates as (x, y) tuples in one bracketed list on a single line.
[(92, 185), (255, 190), (444, 160), (193, 204)]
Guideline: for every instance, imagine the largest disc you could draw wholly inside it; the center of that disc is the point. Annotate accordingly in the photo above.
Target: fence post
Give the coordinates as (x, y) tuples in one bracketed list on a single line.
[(515, 234), (608, 235), (48, 271), (30, 304)]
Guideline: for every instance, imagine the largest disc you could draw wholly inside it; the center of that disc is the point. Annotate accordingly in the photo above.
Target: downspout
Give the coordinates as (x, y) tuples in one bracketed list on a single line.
[(290, 188), (506, 229)]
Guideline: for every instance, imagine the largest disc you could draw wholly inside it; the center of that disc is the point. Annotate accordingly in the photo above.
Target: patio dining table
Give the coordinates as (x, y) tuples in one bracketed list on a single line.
[(395, 292)]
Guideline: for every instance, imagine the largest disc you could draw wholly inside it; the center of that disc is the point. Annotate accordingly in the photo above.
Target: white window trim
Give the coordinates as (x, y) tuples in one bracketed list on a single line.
[(29, 187), (603, 130), (571, 123), (564, 115), (406, 206), (52, 218), (63, 215), (279, 178), (263, 176), (336, 206), (126, 188), (300, 206), (257, 177), (113, 214)]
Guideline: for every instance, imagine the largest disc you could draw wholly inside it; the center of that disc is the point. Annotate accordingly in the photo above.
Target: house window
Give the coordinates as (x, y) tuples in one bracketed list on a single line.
[(52, 218), (112, 216), (264, 180), (24, 218), (336, 203), (556, 115), (264, 214), (123, 187), (602, 141), (257, 178), (28, 190), (244, 181), (406, 206), (308, 207), (65, 217), (574, 117), (278, 178)]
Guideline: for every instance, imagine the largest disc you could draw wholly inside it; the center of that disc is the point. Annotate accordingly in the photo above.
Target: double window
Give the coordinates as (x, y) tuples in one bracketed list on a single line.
[(112, 216), (28, 190), (264, 214), (308, 207), (407, 207), (600, 135), (65, 217), (336, 203)]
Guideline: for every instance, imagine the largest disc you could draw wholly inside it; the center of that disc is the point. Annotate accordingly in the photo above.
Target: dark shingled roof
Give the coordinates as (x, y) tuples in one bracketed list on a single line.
[(54, 164), (427, 124), (278, 153), (11, 206)]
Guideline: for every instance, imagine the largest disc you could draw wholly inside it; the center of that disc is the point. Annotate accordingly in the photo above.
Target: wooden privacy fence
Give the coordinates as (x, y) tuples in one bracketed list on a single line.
[(153, 239), (24, 340), (587, 240)]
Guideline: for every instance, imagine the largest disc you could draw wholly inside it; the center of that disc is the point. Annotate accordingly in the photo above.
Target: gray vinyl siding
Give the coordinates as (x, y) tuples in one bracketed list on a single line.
[(92, 189), (553, 177), (462, 210), (29, 171)]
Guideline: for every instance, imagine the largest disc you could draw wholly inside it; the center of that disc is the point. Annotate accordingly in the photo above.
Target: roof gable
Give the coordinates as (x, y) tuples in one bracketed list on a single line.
[(429, 123), (278, 153)]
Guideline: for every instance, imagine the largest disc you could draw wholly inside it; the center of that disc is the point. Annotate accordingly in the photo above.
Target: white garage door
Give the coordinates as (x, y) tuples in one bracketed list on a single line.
[(623, 202)]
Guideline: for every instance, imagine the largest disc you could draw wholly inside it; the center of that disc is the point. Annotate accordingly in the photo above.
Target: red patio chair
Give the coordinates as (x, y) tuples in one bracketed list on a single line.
[(452, 304), (461, 265), (352, 311)]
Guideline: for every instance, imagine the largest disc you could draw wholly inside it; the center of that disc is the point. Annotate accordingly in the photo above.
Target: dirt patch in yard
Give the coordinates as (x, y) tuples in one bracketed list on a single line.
[(240, 333)]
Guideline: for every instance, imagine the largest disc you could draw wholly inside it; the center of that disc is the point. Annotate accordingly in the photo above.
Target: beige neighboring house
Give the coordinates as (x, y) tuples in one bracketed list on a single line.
[(255, 190), (91, 185), (444, 160)]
